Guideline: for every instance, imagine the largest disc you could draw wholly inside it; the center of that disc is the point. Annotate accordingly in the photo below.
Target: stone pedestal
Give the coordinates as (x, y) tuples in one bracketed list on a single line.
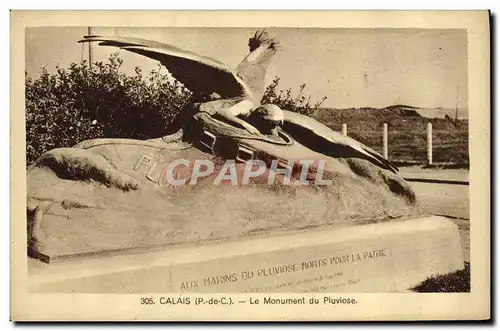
[(390, 256)]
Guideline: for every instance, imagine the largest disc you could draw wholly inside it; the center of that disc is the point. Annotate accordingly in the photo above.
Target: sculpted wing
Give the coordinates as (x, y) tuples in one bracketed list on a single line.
[(322, 139), (200, 74), (253, 68)]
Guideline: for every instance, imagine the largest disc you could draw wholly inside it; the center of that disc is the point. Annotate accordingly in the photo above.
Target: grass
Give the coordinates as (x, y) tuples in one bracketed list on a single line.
[(458, 281), (407, 133)]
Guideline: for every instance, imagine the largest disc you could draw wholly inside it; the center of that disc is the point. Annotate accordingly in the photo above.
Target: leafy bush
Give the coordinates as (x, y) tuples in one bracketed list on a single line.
[(284, 99), (85, 102)]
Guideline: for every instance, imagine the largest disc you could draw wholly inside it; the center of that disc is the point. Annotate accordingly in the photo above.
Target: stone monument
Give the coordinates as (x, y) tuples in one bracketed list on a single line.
[(243, 197)]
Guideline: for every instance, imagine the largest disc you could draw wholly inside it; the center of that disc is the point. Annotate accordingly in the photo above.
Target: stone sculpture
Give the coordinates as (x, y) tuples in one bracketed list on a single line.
[(118, 194)]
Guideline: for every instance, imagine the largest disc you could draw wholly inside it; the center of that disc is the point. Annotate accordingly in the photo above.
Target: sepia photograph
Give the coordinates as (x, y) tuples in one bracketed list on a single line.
[(272, 165)]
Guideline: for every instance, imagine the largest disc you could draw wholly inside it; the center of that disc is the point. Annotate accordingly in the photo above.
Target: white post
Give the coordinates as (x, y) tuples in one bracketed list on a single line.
[(429, 143), (344, 129), (91, 57), (385, 141)]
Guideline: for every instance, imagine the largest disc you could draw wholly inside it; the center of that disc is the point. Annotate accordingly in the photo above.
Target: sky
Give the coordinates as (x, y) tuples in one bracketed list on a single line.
[(351, 67)]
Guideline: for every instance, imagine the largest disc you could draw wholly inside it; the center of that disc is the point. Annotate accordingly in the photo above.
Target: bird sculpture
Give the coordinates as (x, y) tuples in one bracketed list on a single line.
[(238, 93)]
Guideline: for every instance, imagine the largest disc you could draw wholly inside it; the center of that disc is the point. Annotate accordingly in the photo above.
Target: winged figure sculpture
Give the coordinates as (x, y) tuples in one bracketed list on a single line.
[(238, 93), (115, 194)]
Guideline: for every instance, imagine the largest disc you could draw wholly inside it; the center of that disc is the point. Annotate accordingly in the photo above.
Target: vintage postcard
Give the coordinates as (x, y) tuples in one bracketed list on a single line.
[(244, 166)]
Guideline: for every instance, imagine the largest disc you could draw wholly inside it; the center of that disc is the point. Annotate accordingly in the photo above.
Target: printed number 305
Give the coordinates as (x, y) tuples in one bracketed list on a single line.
[(147, 301)]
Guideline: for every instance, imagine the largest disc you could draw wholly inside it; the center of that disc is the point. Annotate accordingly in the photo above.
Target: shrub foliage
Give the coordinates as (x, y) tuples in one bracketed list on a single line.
[(83, 102)]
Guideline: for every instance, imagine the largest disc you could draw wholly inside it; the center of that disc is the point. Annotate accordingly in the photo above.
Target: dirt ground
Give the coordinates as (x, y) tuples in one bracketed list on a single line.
[(444, 199)]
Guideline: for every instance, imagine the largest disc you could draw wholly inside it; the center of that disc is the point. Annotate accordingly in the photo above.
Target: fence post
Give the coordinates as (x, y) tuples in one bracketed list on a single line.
[(429, 143), (91, 53), (344, 129), (385, 141)]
